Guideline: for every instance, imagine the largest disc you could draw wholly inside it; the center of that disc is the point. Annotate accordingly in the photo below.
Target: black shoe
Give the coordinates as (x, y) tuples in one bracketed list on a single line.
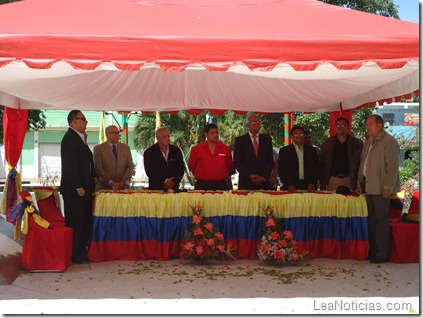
[(378, 260), (80, 260)]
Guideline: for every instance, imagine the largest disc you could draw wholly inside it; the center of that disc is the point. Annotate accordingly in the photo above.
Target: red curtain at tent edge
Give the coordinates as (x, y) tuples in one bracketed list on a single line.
[(14, 130)]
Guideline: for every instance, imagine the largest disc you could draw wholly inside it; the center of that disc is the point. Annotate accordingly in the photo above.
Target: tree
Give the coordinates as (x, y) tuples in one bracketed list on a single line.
[(36, 120), (385, 8)]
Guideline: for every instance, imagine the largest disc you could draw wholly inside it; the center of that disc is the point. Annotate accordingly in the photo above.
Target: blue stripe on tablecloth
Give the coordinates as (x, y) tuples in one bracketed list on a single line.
[(232, 227)]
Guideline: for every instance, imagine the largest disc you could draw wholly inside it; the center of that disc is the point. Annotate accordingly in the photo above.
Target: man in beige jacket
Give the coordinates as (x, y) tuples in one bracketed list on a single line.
[(378, 178), (113, 162)]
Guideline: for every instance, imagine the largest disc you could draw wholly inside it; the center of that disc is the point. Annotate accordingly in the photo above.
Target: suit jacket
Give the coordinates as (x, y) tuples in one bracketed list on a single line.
[(382, 165), (108, 168), (77, 165), (326, 156), (288, 166), (246, 162), (157, 169)]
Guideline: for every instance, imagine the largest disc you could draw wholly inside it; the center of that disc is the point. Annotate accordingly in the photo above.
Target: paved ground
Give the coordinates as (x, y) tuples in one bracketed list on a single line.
[(243, 287)]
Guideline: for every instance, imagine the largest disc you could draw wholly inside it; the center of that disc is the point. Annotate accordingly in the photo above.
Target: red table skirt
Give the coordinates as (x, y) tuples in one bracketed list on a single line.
[(404, 242)]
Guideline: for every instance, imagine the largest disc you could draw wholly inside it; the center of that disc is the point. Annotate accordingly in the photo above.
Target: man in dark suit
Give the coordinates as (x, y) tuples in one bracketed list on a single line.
[(298, 164), (77, 184), (253, 157), (163, 163)]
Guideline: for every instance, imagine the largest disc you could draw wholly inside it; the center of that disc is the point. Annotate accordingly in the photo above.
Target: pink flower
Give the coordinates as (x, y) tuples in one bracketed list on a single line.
[(274, 235), (279, 254), (219, 236), (188, 246), (270, 222), (196, 219), (221, 248), (198, 231), (210, 242), (295, 256), (282, 243), (288, 235), (199, 250), (209, 226)]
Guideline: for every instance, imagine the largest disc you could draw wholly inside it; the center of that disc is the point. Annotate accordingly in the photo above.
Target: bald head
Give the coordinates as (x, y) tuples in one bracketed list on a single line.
[(163, 137)]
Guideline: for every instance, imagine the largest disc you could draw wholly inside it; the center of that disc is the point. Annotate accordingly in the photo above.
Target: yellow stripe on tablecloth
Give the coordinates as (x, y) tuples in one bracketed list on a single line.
[(227, 203)]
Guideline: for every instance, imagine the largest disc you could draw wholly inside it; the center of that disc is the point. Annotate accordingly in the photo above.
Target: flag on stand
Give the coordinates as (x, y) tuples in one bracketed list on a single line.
[(102, 132)]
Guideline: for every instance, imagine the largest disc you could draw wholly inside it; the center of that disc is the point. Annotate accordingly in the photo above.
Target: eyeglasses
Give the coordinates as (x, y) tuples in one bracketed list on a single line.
[(255, 122), (298, 135), (341, 125), (114, 132), (81, 118)]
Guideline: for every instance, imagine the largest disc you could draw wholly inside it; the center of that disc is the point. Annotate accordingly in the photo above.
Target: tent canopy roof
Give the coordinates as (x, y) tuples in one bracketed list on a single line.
[(169, 55)]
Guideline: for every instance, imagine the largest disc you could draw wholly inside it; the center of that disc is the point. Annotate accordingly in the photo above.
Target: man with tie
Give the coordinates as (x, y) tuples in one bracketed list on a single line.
[(77, 184), (113, 162), (253, 157)]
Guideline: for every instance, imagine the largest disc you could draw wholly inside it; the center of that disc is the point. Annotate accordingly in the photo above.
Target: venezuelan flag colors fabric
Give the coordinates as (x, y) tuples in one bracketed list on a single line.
[(144, 225)]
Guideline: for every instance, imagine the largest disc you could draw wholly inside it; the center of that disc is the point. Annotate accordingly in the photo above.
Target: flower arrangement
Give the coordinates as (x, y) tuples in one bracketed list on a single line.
[(277, 244), (204, 242), (410, 186)]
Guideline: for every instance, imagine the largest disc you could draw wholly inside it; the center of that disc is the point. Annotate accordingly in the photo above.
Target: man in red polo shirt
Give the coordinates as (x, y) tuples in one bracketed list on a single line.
[(211, 161)]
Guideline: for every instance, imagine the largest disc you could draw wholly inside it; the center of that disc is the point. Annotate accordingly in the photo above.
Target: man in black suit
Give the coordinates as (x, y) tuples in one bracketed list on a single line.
[(298, 164), (253, 157), (163, 163), (77, 184)]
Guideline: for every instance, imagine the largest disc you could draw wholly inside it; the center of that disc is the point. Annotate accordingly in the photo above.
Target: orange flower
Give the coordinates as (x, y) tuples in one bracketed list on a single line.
[(199, 250), (282, 243), (209, 226), (210, 242), (274, 235), (188, 246), (198, 231), (288, 235), (265, 248), (279, 254), (295, 256), (270, 222), (221, 248), (198, 207), (196, 219), (219, 236)]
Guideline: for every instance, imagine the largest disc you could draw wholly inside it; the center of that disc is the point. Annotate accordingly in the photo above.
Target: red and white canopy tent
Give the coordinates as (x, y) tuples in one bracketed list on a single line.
[(170, 55)]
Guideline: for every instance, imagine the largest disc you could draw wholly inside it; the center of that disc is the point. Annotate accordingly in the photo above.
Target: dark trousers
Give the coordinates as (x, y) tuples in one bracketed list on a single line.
[(379, 226), (78, 216), (211, 185)]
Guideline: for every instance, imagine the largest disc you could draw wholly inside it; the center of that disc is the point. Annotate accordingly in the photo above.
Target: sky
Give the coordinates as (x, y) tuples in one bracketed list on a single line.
[(408, 10)]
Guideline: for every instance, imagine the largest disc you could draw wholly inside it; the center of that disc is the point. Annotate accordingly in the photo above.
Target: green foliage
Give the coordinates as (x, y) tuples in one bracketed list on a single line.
[(272, 124), (36, 120), (411, 166), (385, 8), (316, 123), (359, 121)]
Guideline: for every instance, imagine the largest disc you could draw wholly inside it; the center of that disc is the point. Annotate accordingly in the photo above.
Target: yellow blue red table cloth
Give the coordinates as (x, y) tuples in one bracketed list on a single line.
[(148, 225)]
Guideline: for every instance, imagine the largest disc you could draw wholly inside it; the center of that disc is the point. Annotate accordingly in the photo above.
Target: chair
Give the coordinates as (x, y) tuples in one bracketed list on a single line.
[(46, 249), (48, 201)]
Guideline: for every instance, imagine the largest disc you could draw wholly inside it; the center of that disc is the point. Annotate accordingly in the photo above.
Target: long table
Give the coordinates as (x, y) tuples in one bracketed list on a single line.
[(148, 225)]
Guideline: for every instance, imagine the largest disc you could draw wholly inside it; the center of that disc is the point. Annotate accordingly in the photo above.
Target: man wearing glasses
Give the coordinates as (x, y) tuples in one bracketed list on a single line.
[(77, 184), (298, 164), (253, 157), (337, 166), (113, 162)]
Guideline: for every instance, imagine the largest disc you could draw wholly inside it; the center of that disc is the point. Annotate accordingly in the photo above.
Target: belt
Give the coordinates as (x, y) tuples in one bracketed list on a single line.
[(343, 175)]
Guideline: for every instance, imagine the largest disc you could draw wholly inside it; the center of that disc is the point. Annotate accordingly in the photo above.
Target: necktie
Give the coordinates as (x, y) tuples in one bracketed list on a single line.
[(114, 151), (255, 143)]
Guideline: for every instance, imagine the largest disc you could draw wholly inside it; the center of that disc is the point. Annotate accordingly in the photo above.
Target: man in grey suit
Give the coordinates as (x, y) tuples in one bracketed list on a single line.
[(378, 178), (113, 162)]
